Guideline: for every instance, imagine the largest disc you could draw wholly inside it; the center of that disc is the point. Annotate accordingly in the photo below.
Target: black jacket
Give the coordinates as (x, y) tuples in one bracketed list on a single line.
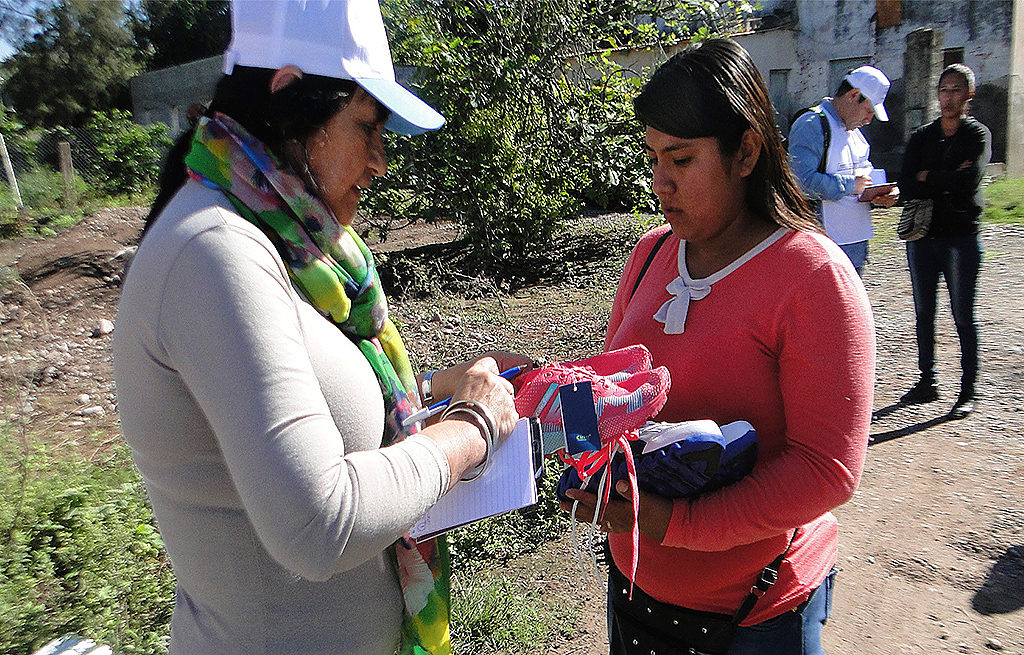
[(956, 192)]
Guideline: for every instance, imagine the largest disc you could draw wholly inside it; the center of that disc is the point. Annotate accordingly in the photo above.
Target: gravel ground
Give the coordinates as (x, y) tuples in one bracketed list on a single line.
[(932, 546)]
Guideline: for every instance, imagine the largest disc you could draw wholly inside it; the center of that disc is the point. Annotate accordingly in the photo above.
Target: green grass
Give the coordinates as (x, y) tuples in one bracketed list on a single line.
[(44, 212), (1004, 202), (79, 552), (508, 536), (494, 614)]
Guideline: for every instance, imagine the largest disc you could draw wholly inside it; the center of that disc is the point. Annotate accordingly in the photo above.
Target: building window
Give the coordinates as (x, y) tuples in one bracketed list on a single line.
[(778, 89), (838, 68), (952, 56), (888, 13)]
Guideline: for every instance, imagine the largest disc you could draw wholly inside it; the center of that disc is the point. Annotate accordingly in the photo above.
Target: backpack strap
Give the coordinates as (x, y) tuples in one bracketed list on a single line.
[(826, 131), (647, 264)]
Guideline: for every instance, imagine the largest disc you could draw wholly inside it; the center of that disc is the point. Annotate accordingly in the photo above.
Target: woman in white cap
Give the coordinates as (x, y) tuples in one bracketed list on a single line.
[(261, 385)]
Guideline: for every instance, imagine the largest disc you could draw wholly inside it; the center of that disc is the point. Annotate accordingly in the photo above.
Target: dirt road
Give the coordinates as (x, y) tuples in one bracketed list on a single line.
[(932, 546)]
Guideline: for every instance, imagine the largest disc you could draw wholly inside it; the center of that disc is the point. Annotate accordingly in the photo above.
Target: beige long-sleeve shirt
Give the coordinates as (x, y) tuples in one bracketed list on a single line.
[(257, 426)]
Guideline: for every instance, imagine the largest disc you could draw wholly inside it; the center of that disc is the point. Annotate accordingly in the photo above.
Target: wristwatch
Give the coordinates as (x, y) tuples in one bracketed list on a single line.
[(426, 390)]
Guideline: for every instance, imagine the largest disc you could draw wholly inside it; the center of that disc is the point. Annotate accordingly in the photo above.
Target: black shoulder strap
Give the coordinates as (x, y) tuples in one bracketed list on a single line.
[(647, 263), (769, 576), (826, 131)]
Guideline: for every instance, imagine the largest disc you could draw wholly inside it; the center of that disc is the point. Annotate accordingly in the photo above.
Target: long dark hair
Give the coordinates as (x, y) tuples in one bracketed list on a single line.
[(713, 89), (280, 120)]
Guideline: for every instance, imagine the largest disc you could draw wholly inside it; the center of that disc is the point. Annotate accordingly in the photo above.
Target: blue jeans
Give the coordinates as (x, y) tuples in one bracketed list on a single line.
[(796, 632), (858, 254), (958, 259)]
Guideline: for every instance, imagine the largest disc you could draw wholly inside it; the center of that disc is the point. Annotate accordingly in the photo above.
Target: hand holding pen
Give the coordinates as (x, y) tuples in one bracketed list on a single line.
[(427, 412)]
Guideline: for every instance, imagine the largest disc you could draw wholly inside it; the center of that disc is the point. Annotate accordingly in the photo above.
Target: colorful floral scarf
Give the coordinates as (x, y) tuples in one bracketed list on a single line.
[(334, 270)]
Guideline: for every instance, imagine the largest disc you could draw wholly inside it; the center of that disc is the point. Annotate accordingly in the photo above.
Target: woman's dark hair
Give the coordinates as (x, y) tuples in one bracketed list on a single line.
[(288, 116), (713, 89)]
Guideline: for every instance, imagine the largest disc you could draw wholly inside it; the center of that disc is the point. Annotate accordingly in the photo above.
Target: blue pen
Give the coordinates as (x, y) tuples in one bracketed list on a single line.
[(427, 412)]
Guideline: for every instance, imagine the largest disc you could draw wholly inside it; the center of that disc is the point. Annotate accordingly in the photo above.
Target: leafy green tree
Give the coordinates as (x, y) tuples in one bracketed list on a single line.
[(539, 117), (79, 61), (128, 155), (179, 31)]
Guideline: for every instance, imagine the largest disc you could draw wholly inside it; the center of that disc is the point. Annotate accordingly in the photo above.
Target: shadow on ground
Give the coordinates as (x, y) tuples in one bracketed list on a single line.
[(889, 435), (89, 264), (451, 267), (1003, 590)]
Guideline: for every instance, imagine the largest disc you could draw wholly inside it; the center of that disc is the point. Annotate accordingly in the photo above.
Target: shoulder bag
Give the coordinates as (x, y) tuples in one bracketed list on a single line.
[(915, 219), (645, 626)]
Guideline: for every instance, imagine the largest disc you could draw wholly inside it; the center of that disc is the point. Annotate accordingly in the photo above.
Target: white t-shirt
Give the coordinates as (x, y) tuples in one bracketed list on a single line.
[(847, 220)]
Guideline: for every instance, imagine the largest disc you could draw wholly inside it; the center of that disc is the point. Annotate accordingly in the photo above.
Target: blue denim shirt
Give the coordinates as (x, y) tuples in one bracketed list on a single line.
[(806, 143)]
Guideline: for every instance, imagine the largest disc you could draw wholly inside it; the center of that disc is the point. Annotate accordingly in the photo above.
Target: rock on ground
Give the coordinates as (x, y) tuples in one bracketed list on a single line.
[(931, 547)]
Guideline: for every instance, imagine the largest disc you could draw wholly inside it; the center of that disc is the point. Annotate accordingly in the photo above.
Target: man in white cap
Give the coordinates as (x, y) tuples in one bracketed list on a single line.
[(830, 157)]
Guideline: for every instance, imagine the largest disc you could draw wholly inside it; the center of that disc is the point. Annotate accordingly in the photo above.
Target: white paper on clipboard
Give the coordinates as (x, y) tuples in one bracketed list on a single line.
[(507, 484)]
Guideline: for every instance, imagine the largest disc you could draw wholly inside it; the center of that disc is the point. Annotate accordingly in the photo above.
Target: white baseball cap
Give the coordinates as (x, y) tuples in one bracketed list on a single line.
[(873, 85), (344, 39)]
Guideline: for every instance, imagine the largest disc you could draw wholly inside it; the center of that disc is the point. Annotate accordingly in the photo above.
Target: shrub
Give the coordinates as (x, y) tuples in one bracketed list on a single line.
[(613, 165), (44, 189), (42, 192), (539, 121), (78, 554), (539, 117), (128, 155)]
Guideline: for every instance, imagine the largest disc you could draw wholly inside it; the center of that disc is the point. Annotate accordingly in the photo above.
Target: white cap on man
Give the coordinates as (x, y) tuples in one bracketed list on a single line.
[(344, 39), (873, 85)]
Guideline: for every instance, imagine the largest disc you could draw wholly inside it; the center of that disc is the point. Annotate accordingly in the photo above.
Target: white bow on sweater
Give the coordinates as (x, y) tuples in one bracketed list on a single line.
[(684, 288), (673, 312)]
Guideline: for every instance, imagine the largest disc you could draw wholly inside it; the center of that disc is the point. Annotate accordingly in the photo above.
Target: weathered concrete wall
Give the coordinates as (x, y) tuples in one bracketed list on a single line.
[(844, 29), (165, 95), (922, 65), (1015, 86), (770, 49), (773, 49), (832, 30), (981, 27)]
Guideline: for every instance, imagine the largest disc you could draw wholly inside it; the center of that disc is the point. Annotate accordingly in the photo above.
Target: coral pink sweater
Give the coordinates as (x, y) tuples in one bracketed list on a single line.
[(786, 342)]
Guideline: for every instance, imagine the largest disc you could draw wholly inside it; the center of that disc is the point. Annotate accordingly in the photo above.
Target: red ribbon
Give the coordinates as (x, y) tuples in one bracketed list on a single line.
[(591, 462)]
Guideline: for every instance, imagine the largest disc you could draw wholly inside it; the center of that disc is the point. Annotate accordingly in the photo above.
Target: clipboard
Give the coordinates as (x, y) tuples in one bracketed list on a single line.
[(875, 190), (509, 483)]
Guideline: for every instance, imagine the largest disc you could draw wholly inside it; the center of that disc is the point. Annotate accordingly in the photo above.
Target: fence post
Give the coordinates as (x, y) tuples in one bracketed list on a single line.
[(9, 169), (68, 171)]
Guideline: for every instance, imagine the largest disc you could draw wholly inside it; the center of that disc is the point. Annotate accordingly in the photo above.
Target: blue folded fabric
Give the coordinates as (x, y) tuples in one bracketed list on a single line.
[(704, 459)]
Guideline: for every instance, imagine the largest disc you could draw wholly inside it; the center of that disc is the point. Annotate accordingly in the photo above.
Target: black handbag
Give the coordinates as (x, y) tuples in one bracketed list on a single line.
[(915, 219), (645, 626)]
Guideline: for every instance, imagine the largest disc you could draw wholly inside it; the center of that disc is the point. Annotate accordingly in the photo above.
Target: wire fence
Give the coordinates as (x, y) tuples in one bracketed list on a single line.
[(63, 168), (40, 151)]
